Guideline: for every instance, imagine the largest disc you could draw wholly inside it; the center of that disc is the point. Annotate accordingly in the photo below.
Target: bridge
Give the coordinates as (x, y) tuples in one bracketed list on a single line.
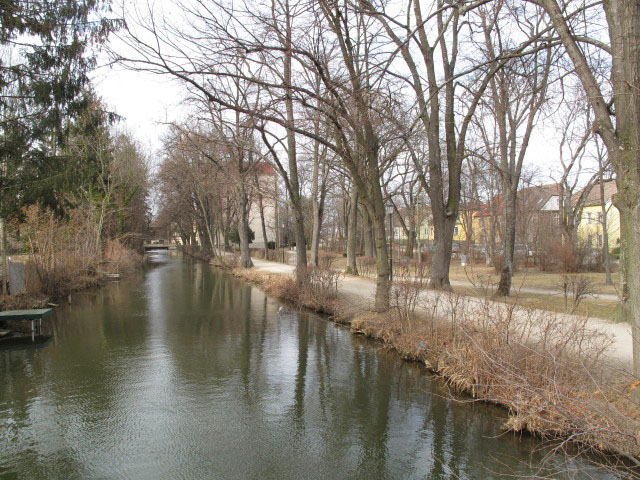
[(160, 244)]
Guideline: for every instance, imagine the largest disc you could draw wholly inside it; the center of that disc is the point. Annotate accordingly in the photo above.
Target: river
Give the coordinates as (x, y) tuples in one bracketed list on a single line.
[(183, 372)]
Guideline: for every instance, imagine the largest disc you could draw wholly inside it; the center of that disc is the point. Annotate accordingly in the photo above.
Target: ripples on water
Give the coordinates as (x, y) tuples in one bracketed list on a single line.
[(187, 373)]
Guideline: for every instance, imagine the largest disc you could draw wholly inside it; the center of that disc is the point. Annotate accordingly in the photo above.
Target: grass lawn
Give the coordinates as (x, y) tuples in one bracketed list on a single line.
[(525, 278), (528, 278), (592, 307)]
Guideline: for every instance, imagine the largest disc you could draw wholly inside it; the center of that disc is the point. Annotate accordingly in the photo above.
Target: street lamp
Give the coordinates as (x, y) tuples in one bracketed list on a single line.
[(390, 212)]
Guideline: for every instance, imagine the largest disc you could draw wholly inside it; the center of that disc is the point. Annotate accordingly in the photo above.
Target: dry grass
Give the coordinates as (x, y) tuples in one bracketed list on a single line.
[(592, 307), (546, 371), (527, 278), (314, 287)]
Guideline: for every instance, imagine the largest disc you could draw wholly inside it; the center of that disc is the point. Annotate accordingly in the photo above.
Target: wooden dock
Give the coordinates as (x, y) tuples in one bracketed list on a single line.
[(35, 316)]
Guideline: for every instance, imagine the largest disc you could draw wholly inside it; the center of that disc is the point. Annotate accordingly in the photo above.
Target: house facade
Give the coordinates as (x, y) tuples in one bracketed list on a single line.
[(264, 197), (591, 227), (537, 215)]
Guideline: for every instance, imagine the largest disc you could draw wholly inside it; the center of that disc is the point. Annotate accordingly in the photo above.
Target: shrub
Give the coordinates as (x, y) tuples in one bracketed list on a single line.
[(366, 266), (410, 270), (318, 287), (68, 253), (405, 296), (575, 288), (325, 260)]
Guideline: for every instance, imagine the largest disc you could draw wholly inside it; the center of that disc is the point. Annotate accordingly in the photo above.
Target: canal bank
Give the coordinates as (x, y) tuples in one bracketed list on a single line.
[(558, 376), (186, 372)]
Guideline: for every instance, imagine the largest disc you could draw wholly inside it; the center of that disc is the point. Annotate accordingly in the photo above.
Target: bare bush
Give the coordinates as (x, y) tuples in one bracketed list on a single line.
[(410, 270), (70, 253), (404, 298), (318, 287), (575, 288), (547, 369), (565, 257), (366, 266), (325, 260), (119, 259)]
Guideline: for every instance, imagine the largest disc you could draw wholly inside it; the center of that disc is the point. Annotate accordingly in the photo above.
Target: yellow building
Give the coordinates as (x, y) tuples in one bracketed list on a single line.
[(590, 228), (425, 231)]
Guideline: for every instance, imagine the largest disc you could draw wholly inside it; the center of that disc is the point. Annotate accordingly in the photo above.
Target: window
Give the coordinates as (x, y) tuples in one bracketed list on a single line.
[(600, 218), (599, 241), (556, 219), (589, 219), (455, 230)]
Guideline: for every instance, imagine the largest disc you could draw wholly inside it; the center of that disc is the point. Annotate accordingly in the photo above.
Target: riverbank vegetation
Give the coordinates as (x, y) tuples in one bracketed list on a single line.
[(95, 230), (550, 373), (73, 189)]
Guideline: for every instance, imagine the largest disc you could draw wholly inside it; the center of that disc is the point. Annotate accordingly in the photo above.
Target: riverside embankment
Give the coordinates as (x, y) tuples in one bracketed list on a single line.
[(559, 376), (359, 292)]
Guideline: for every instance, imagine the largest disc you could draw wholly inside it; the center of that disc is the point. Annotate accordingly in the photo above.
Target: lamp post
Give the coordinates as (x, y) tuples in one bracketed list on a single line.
[(390, 212)]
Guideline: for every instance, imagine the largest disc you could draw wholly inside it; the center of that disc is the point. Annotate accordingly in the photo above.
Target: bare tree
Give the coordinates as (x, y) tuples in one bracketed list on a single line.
[(617, 122), (433, 81), (517, 93)]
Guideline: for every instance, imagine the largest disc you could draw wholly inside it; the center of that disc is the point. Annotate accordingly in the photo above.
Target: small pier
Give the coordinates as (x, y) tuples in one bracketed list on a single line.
[(19, 316)]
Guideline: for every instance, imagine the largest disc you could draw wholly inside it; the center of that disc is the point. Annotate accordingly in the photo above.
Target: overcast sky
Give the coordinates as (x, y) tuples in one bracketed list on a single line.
[(147, 100)]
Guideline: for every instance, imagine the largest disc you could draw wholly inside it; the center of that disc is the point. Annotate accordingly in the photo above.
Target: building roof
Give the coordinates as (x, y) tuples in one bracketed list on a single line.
[(264, 168), (593, 198), (531, 198)]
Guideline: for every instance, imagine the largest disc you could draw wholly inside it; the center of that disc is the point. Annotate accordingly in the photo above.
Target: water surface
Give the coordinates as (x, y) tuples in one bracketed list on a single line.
[(184, 372)]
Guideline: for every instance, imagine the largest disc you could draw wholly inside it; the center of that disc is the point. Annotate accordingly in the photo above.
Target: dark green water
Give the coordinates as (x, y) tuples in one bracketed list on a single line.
[(186, 373)]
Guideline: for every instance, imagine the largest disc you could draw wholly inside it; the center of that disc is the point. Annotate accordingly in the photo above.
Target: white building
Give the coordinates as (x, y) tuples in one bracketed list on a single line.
[(267, 191)]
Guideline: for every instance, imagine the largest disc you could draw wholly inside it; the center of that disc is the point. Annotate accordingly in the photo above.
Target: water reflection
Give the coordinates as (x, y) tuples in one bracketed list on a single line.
[(187, 373)]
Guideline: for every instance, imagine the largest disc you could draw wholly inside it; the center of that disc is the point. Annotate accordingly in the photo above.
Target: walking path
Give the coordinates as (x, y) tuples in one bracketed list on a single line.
[(360, 292)]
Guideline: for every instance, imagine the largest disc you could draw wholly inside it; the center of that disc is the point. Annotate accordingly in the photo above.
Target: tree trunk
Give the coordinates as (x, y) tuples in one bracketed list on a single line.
[(623, 17), (243, 226), (264, 227), (622, 140), (301, 242), (315, 229), (352, 233), (442, 249), (382, 259), (369, 240), (411, 237), (207, 226), (315, 234), (506, 274), (316, 207), (5, 262), (296, 201)]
